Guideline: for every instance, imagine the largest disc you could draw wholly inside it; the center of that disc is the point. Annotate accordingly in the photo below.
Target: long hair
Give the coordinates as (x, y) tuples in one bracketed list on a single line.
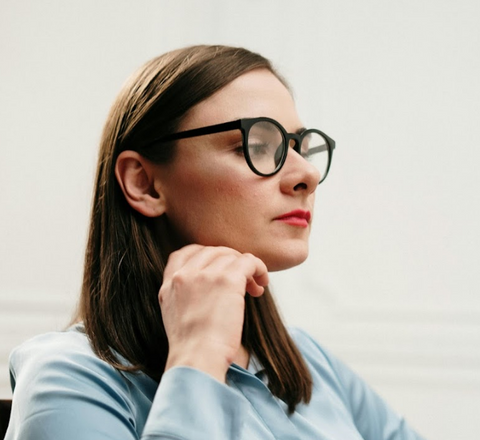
[(126, 252)]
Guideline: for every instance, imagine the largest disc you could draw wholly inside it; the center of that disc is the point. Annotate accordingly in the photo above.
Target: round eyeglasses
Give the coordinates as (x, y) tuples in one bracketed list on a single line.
[(266, 144)]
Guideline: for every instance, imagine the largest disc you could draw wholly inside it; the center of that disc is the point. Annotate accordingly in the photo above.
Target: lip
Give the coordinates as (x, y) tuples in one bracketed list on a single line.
[(297, 217)]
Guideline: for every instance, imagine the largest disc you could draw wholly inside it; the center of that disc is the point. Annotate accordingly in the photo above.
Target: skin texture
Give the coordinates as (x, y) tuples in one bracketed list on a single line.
[(213, 198), (228, 215)]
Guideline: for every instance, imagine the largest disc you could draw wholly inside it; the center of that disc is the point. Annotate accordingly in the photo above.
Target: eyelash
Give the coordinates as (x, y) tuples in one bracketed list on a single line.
[(239, 150)]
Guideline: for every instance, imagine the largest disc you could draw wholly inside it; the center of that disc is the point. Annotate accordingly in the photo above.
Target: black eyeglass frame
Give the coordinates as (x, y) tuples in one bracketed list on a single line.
[(244, 125)]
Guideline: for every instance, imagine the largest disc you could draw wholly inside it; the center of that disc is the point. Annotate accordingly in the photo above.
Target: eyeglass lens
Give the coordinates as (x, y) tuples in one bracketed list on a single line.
[(266, 148)]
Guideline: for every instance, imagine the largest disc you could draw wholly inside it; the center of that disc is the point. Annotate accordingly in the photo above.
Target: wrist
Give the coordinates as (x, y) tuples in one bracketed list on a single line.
[(209, 363)]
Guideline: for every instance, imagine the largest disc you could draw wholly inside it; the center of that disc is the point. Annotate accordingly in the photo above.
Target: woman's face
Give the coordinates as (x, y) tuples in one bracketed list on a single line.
[(213, 198)]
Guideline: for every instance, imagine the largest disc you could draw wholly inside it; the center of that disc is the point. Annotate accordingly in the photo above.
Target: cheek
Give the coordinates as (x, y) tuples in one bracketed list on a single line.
[(204, 208), (225, 185)]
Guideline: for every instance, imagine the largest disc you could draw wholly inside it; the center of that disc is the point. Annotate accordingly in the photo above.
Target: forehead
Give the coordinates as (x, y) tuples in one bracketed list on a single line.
[(253, 94)]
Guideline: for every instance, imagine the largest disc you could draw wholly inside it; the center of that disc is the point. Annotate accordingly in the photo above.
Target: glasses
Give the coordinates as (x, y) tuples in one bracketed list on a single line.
[(266, 144)]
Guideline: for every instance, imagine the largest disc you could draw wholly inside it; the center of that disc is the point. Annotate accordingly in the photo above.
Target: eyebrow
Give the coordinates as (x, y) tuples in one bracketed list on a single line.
[(300, 130)]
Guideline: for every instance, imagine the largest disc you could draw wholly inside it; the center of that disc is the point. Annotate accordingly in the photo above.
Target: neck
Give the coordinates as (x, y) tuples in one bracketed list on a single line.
[(242, 358)]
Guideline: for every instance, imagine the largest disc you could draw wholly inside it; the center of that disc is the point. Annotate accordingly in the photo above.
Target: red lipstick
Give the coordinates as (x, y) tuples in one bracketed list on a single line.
[(298, 217)]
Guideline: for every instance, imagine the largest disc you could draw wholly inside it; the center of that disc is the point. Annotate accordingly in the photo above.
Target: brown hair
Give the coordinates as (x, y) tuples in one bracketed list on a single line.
[(126, 255)]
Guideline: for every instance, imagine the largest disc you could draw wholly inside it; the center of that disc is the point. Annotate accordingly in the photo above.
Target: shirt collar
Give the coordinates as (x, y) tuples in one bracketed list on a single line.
[(254, 368)]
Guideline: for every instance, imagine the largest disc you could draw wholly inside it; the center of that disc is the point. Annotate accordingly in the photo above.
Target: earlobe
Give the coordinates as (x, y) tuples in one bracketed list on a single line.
[(136, 177)]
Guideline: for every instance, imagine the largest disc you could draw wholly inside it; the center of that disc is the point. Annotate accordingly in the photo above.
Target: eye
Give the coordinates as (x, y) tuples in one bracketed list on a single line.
[(239, 150), (258, 148)]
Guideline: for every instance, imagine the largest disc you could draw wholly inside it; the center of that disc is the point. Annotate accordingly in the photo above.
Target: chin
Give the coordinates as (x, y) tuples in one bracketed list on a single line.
[(285, 260)]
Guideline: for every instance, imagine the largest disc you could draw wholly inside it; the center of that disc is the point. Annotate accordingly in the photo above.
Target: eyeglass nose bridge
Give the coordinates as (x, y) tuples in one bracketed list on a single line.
[(297, 141)]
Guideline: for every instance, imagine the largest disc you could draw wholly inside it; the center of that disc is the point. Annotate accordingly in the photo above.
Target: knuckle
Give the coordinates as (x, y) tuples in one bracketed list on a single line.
[(227, 251), (178, 279), (179, 253), (172, 258), (252, 257), (162, 293)]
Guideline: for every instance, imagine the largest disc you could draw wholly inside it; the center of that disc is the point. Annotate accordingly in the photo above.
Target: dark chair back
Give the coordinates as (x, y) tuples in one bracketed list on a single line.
[(5, 408)]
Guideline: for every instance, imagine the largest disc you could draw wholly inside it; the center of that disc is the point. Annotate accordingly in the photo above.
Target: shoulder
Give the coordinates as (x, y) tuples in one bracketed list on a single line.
[(69, 348), (72, 339), (57, 376), (331, 377), (312, 351), (326, 368), (58, 361), (322, 361)]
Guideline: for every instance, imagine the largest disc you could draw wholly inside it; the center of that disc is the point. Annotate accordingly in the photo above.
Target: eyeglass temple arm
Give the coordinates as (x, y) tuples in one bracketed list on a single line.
[(217, 128), (322, 148)]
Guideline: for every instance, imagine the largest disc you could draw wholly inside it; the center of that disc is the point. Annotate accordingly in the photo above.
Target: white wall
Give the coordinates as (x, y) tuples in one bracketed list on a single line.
[(392, 284)]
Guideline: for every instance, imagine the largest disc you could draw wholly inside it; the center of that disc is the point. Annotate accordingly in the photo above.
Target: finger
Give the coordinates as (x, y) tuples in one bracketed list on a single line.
[(191, 260), (256, 274), (209, 256), (253, 289), (260, 275), (179, 258), (222, 262)]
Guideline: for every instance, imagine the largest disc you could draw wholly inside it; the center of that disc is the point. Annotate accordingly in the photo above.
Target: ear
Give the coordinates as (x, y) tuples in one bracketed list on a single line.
[(136, 177)]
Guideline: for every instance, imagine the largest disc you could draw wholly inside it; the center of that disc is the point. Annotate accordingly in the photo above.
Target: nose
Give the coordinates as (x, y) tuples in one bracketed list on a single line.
[(298, 174)]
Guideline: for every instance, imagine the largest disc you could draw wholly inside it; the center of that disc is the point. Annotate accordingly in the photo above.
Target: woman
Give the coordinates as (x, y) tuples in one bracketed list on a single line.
[(206, 182)]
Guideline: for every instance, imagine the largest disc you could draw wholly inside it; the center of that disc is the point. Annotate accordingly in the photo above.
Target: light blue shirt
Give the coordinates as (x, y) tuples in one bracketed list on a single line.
[(63, 391)]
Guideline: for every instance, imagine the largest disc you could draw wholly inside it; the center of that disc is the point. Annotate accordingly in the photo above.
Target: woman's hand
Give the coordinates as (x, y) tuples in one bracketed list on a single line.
[(202, 299)]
